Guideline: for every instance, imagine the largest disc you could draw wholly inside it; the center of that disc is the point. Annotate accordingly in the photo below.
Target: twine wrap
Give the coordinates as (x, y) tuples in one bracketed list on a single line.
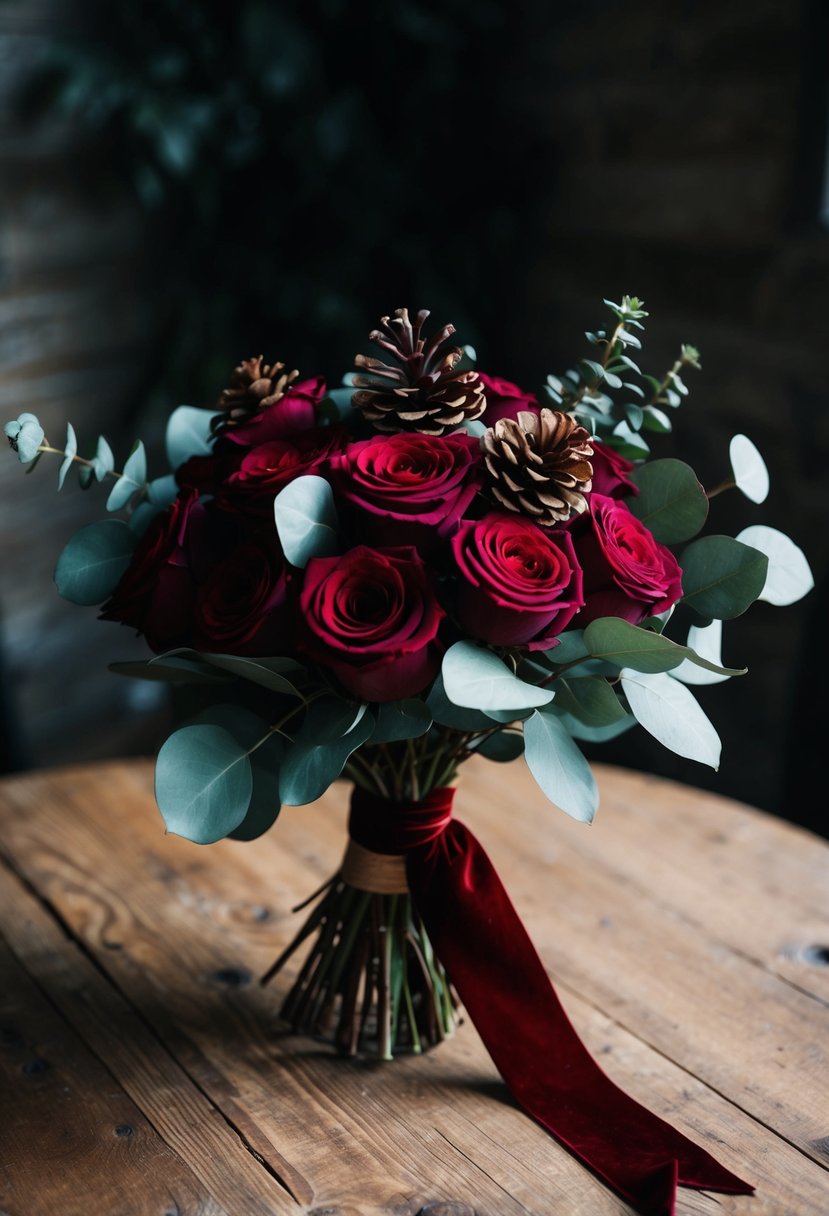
[(379, 873)]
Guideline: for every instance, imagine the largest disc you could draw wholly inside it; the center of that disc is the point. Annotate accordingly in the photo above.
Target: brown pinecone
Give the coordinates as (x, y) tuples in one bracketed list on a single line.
[(539, 465), (421, 391), (254, 385)]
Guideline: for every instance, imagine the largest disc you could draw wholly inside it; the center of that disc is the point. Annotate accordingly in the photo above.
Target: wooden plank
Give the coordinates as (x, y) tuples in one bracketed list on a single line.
[(118, 1035), (194, 926), (71, 1141)]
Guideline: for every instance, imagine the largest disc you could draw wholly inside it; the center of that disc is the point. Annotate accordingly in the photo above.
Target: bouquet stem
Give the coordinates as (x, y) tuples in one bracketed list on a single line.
[(370, 982)]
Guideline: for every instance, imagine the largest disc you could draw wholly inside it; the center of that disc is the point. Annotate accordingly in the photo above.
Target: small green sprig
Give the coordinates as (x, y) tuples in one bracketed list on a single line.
[(27, 438), (586, 390)]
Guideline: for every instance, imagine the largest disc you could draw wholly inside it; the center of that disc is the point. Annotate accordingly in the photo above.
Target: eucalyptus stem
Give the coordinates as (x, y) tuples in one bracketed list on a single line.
[(47, 449), (610, 345)]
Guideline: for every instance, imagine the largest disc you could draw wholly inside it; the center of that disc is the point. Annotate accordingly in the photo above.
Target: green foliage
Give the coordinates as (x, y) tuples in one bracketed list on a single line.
[(587, 390), (624, 645), (408, 719), (93, 561), (502, 747), (306, 520), (558, 766), (788, 577), (671, 502), (669, 712), (721, 577), (188, 434), (25, 435), (751, 477), (477, 679), (203, 783), (589, 699), (446, 713), (131, 481), (333, 729)]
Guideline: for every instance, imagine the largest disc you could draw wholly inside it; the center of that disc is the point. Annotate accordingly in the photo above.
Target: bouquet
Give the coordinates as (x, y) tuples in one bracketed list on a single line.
[(377, 581)]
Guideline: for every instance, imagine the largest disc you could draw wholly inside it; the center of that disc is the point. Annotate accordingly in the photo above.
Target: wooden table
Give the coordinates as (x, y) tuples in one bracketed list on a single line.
[(143, 1071)]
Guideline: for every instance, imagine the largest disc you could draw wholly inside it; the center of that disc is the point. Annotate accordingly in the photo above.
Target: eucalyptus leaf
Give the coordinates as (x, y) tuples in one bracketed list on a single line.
[(446, 713), (671, 502), (69, 454), (617, 641), (629, 443), (669, 712), (306, 520), (103, 462), (654, 419), (309, 768), (203, 783), (502, 747), (173, 670), (25, 434), (162, 490), (789, 577), (558, 766), (750, 473), (268, 673), (597, 734), (407, 719), (132, 479), (93, 561), (706, 642), (188, 434), (721, 576), (477, 679), (590, 700)]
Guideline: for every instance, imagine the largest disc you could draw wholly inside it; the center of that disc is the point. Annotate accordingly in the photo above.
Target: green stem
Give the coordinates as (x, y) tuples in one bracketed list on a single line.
[(46, 447), (728, 484)]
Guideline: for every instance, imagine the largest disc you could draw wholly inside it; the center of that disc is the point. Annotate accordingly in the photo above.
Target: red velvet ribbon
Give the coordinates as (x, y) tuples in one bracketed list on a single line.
[(479, 938)]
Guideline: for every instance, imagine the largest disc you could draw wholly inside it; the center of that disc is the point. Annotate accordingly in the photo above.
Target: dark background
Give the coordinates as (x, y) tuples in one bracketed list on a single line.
[(184, 185)]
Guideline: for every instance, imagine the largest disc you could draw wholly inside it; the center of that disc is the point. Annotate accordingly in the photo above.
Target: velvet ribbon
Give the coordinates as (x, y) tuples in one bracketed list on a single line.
[(479, 938)]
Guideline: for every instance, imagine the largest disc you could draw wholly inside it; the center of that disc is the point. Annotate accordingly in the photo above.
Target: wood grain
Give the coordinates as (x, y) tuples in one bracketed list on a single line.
[(678, 931)]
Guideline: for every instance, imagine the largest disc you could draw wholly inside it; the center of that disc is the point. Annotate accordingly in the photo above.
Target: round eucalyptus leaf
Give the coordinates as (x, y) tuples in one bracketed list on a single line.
[(721, 576), (750, 473), (789, 577), (203, 783), (93, 561), (671, 502), (306, 520)]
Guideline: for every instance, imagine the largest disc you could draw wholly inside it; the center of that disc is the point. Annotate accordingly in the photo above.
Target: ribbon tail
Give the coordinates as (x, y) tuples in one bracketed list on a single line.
[(479, 938)]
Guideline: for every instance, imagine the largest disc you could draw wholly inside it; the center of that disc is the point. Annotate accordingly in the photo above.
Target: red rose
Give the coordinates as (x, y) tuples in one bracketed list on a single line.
[(407, 489), (241, 606), (626, 572), (520, 584), (371, 618), (609, 472), (265, 469), (504, 400), (155, 594), (296, 411)]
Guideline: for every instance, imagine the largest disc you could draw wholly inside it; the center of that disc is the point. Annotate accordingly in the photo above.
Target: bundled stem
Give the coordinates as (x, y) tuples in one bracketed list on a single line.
[(370, 983)]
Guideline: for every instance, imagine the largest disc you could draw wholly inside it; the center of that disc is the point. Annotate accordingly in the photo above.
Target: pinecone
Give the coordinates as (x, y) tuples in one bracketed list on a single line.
[(421, 391), (254, 385), (539, 465)]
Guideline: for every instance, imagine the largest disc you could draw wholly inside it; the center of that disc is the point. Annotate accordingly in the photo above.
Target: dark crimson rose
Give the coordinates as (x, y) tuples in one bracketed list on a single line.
[(408, 489), (265, 469), (504, 400), (626, 572), (155, 594), (610, 472), (295, 412), (241, 606), (372, 619), (520, 584)]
